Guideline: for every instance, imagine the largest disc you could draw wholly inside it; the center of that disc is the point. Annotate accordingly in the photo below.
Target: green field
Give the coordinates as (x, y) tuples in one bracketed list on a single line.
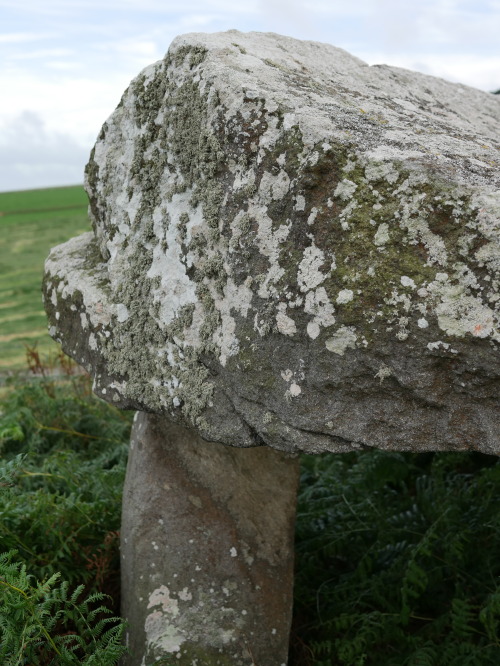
[(31, 222)]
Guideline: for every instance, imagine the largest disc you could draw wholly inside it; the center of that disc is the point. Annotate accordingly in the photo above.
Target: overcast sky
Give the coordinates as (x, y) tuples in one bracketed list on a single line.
[(65, 63)]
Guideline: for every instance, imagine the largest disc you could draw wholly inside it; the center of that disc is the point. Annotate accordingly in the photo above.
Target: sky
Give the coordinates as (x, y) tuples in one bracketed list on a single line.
[(66, 63)]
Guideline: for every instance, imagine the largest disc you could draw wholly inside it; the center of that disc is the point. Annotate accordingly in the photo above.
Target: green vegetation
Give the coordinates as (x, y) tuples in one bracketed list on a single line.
[(31, 223), (45, 199), (62, 464), (397, 560), (31, 611)]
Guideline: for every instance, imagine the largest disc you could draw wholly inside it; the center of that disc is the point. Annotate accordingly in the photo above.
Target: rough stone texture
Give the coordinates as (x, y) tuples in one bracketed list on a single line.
[(292, 248), (207, 549)]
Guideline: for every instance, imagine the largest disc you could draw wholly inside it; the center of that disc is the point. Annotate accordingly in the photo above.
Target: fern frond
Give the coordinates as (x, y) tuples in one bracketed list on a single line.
[(29, 614)]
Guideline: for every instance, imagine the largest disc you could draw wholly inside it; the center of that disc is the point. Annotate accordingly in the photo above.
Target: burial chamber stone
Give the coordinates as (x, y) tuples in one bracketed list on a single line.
[(290, 250)]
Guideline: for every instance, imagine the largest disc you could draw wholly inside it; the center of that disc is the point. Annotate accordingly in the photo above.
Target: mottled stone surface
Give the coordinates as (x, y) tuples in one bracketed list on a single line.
[(292, 248), (207, 550)]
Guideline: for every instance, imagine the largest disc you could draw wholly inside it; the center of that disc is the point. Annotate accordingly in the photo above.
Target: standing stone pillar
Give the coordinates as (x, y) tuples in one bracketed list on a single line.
[(207, 549)]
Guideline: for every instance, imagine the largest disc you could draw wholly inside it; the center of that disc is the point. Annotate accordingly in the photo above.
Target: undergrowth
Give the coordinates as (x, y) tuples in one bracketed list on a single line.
[(62, 463), (396, 554), (397, 560)]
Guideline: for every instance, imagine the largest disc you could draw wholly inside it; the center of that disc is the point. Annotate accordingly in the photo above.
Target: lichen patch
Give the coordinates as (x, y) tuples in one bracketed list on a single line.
[(344, 338)]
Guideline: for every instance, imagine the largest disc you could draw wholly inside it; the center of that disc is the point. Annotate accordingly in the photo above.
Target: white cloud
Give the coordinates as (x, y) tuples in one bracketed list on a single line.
[(436, 25), (42, 53), (289, 14), (75, 105), (69, 61), (478, 71), (31, 155), (20, 37)]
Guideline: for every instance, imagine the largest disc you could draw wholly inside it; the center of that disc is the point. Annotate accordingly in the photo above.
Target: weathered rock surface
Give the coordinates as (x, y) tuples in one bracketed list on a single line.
[(292, 248), (207, 549)]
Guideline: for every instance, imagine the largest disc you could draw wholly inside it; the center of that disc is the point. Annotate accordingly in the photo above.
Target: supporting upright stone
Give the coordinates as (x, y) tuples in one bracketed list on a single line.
[(207, 549)]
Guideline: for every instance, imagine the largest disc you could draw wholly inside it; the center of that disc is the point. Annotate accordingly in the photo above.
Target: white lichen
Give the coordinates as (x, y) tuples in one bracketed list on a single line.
[(285, 324), (309, 275), (382, 235), (344, 338), (344, 296), (345, 189)]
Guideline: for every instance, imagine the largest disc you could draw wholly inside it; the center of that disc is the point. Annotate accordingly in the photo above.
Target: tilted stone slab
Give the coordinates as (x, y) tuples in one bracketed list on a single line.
[(292, 248)]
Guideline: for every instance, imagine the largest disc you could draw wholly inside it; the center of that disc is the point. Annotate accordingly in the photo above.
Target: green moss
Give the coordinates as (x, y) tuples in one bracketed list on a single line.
[(195, 389), (198, 242), (194, 54), (91, 179), (198, 160), (92, 171), (374, 272), (271, 63), (183, 320), (182, 227), (149, 96), (291, 143), (197, 56), (213, 266), (128, 354), (211, 321), (240, 48), (211, 195), (241, 232)]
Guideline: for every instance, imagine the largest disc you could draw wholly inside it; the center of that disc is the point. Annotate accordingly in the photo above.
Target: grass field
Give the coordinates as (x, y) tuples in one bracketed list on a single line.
[(31, 223)]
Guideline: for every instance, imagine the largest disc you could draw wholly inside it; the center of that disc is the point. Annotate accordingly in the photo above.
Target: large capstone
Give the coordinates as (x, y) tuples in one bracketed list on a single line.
[(292, 248)]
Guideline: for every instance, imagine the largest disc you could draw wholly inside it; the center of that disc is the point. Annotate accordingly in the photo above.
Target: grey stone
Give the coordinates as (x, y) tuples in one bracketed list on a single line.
[(207, 549), (292, 248)]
